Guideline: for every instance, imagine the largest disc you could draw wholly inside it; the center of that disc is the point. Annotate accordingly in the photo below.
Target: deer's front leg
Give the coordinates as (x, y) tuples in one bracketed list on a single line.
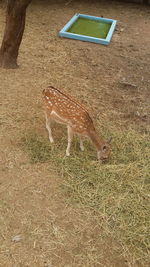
[(81, 144), (70, 137), (48, 127)]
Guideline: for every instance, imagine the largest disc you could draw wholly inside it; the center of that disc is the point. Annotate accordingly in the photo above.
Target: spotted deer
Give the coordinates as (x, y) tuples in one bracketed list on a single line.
[(63, 109)]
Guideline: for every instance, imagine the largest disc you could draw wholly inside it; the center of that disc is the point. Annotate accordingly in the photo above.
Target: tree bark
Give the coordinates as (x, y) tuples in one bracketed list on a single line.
[(15, 24), (146, 2)]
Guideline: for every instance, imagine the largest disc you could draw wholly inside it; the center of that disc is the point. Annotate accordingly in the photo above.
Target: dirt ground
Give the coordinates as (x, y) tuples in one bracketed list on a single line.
[(113, 81)]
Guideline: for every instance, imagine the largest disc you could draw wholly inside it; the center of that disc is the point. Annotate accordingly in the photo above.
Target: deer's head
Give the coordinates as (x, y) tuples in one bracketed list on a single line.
[(104, 152)]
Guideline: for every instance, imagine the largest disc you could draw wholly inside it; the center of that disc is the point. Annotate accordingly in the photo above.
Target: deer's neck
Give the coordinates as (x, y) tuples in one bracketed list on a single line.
[(98, 142)]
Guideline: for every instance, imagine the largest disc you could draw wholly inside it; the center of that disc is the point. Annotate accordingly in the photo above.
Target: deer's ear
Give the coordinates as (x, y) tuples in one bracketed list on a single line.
[(109, 140), (104, 147)]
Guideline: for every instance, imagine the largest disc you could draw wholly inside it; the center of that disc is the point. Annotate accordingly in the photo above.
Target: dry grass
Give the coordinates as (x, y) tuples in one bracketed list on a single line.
[(116, 192), (74, 211)]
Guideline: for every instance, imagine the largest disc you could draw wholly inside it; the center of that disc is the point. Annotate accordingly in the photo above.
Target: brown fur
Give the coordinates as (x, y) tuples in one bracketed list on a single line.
[(64, 109)]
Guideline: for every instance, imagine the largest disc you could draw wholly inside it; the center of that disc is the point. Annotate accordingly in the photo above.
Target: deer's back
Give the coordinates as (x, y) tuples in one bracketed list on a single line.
[(68, 110)]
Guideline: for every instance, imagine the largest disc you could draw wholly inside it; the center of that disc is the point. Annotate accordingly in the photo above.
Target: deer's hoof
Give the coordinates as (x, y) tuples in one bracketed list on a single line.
[(67, 154)]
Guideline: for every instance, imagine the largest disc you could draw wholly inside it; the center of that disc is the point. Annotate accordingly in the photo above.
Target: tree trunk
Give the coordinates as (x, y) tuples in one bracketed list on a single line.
[(15, 24), (146, 2)]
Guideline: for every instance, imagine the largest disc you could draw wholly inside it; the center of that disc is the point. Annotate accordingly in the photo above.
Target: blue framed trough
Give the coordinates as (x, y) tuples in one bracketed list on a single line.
[(105, 41)]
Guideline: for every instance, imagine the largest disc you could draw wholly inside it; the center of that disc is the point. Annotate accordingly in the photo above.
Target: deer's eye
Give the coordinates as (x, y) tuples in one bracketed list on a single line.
[(104, 147)]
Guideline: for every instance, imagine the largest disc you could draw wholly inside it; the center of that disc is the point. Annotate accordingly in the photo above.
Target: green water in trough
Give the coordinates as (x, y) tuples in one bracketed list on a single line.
[(91, 28)]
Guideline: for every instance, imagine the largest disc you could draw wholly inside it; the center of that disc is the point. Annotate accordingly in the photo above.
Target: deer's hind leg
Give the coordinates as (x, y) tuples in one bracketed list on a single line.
[(48, 127), (70, 137)]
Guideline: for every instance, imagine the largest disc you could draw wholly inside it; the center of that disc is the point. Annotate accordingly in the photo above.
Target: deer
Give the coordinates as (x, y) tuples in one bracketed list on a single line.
[(62, 108)]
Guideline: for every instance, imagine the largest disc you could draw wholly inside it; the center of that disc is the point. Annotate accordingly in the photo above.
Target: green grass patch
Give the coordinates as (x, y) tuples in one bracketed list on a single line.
[(118, 191), (37, 148)]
